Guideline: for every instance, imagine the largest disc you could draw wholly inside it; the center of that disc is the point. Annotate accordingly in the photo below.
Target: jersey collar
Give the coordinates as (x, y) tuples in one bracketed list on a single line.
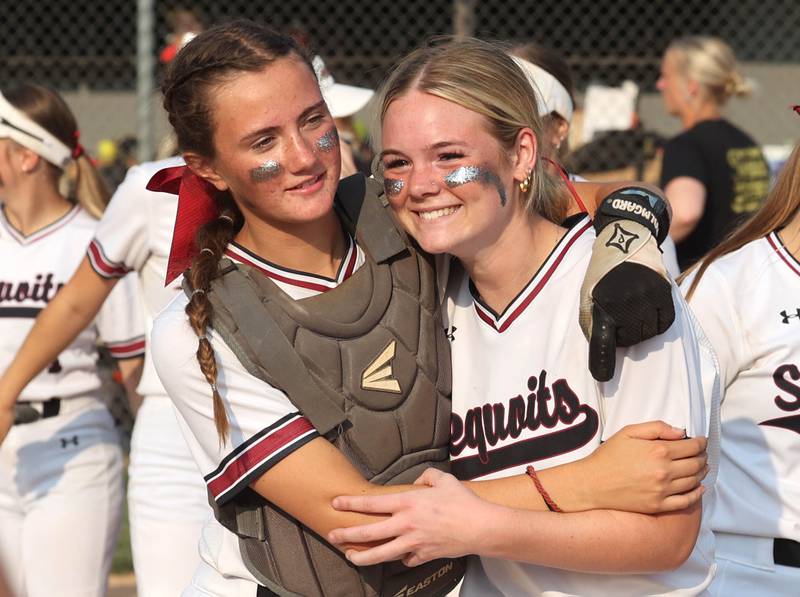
[(501, 322), (297, 278)]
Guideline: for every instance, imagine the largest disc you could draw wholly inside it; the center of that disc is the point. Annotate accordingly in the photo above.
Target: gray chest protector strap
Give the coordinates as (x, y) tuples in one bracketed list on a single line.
[(367, 363)]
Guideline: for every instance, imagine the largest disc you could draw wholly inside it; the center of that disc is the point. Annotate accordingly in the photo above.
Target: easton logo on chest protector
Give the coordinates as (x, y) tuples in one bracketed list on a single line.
[(378, 374)]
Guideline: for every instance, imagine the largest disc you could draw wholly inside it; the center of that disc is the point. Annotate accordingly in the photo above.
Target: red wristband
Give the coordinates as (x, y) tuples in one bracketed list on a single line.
[(551, 505)]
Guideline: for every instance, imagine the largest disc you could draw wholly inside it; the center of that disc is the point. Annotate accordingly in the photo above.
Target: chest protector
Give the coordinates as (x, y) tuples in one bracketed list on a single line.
[(369, 365)]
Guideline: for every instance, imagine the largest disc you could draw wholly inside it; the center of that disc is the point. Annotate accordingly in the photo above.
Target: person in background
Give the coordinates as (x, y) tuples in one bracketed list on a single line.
[(714, 174), (184, 24), (551, 78), (344, 101), (746, 295), (60, 462)]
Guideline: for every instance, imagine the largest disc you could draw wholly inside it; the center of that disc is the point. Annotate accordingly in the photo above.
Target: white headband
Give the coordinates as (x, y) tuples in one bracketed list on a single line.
[(16, 125), (551, 95)]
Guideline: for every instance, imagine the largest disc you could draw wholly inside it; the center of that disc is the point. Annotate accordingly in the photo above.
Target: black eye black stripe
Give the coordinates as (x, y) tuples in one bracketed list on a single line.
[(21, 130)]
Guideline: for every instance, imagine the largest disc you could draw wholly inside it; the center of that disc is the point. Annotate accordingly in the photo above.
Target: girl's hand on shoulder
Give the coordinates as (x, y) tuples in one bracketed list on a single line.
[(442, 521), (648, 468)]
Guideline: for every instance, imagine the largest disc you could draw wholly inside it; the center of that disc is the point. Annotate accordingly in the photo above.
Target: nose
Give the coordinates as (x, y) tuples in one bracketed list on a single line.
[(300, 155), (422, 182)]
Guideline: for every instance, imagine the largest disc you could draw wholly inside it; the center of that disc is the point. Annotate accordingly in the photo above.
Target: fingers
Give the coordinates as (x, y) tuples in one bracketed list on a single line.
[(413, 559), (687, 448), (683, 501), (364, 533), (370, 504), (430, 477), (654, 430), (602, 345), (686, 484), (393, 550), (666, 316), (687, 467)]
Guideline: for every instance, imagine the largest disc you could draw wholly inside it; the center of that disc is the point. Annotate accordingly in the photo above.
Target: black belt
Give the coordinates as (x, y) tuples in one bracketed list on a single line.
[(25, 412), (786, 552), (265, 592)]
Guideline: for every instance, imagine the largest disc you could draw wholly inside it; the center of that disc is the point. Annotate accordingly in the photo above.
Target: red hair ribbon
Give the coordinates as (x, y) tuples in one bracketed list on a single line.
[(196, 207), (78, 150)]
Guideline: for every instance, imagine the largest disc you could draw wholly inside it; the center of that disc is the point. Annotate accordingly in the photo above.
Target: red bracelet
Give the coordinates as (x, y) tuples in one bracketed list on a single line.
[(551, 505)]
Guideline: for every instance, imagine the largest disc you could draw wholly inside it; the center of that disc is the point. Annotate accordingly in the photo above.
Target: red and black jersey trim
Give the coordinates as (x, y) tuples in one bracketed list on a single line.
[(43, 232), (777, 244), (297, 278), (126, 349), (501, 322), (102, 265), (257, 455)]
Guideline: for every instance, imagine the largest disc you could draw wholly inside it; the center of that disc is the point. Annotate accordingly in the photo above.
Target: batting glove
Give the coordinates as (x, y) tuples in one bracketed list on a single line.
[(626, 295)]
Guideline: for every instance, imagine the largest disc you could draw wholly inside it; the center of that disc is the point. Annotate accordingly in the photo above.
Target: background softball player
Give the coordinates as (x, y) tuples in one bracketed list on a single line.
[(167, 501), (748, 302), (61, 464)]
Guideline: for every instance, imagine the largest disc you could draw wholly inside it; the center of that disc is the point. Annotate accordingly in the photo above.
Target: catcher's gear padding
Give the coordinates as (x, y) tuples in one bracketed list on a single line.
[(626, 296), (368, 364)]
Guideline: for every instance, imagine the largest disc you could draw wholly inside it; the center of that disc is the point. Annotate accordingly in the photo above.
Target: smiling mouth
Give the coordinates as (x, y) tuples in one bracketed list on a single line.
[(438, 213), (308, 183)]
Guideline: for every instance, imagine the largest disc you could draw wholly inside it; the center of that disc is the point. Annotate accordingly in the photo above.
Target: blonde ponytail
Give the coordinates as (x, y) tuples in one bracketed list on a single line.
[(712, 63), (88, 188)]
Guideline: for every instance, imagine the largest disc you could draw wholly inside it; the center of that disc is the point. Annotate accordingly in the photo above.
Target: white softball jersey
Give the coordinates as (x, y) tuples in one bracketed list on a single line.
[(167, 502), (748, 303), (265, 426), (135, 235), (523, 394), (61, 476), (32, 269)]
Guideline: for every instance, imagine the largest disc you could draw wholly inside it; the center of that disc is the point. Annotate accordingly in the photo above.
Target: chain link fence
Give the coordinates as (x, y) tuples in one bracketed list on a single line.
[(88, 50)]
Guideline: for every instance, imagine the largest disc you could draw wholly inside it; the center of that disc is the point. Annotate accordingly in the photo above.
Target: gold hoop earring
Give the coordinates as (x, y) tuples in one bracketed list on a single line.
[(525, 185)]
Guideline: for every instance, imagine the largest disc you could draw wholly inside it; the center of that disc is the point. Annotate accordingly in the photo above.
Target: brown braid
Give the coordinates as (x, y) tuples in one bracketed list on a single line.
[(211, 240), (209, 60)]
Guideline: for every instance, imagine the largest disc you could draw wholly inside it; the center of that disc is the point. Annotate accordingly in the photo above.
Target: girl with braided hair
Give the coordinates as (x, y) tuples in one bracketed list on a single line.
[(269, 234)]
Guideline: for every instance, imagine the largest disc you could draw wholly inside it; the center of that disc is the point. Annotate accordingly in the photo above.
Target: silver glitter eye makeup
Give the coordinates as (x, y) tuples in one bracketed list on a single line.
[(393, 186), (327, 141), (466, 174), (463, 175), (266, 171)]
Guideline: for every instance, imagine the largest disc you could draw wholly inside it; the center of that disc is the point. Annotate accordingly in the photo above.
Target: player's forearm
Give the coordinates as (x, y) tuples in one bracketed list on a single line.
[(681, 227), (71, 311), (599, 541), (319, 472), (519, 492)]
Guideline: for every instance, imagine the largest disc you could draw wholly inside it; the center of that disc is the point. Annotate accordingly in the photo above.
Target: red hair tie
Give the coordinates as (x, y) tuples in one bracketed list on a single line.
[(196, 207), (78, 151)]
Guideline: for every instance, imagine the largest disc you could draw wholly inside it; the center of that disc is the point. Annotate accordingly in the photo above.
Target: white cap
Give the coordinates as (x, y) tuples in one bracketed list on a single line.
[(342, 100), (15, 124), (550, 93)]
